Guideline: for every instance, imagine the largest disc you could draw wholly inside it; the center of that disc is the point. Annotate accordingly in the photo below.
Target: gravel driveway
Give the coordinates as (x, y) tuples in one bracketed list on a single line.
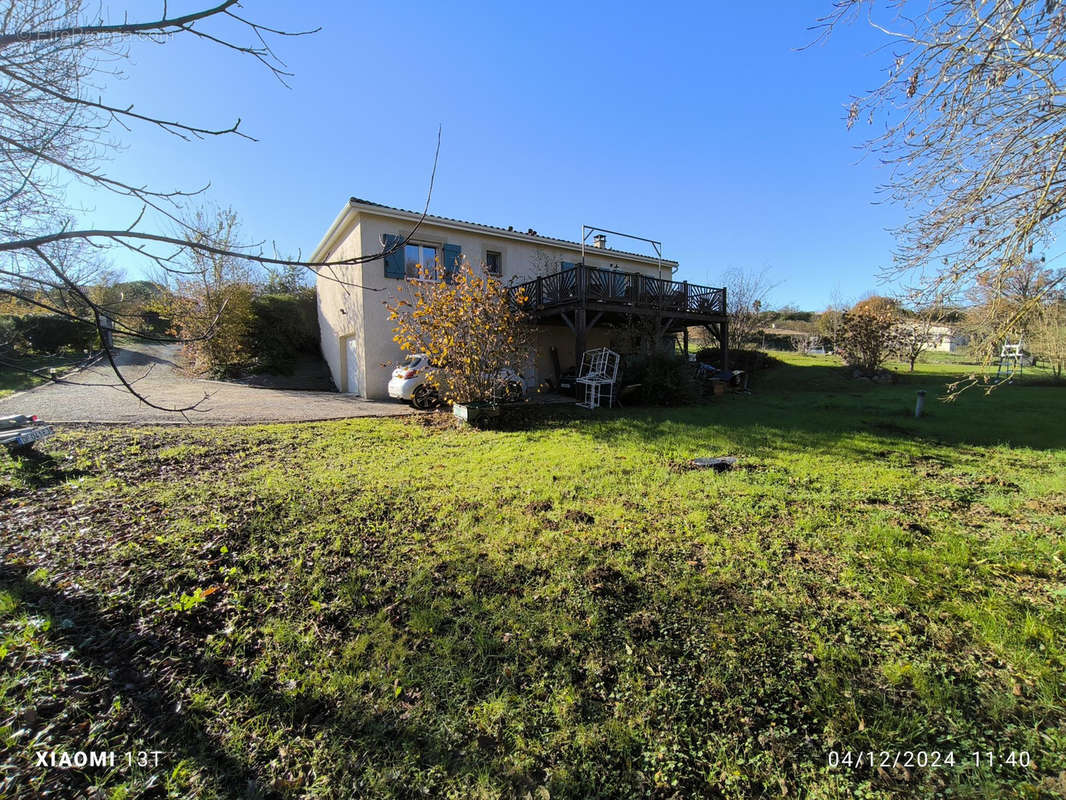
[(91, 396)]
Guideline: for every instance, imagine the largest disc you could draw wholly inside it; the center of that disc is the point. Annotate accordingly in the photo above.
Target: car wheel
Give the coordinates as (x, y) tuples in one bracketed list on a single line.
[(513, 391), (424, 398)]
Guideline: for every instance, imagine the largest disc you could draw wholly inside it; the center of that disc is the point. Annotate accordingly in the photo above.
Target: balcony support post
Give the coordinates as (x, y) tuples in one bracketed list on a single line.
[(721, 333), (723, 326), (579, 334)]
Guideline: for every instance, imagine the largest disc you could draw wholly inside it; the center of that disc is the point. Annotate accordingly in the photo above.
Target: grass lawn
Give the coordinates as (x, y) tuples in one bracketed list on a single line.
[(392, 608)]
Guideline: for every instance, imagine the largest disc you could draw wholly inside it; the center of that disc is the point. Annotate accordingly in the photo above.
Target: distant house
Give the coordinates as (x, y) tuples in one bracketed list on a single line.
[(945, 339), (573, 303)]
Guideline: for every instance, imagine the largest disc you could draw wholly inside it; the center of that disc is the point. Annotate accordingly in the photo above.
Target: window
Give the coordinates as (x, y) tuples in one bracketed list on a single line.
[(494, 262), (424, 254)]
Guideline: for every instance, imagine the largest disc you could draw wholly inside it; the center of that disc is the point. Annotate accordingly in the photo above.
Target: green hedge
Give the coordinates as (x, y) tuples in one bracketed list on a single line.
[(284, 328), (45, 334), (747, 360)]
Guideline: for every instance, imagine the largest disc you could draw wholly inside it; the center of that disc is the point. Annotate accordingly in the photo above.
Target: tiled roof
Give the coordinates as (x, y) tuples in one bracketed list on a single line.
[(511, 231)]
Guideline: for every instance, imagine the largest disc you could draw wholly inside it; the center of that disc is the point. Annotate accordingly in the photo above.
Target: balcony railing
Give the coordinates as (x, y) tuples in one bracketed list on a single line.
[(594, 286)]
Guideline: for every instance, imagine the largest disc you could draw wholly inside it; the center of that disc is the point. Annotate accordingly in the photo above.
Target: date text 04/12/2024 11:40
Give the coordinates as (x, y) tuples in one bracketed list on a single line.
[(909, 759)]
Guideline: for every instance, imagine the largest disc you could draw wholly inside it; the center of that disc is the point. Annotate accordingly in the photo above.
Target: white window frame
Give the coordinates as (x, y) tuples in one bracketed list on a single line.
[(485, 261), (420, 243)]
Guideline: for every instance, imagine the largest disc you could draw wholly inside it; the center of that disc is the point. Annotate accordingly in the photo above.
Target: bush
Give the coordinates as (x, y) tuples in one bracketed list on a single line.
[(9, 338), (284, 327), (153, 323), (45, 334), (868, 335), (236, 330), (747, 360), (665, 380), (217, 324)]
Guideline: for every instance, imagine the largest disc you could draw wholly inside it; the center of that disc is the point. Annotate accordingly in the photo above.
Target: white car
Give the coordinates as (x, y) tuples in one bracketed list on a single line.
[(410, 382)]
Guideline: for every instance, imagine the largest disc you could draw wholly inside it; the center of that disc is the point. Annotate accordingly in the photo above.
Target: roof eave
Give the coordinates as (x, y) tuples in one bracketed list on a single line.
[(473, 227), (332, 234)]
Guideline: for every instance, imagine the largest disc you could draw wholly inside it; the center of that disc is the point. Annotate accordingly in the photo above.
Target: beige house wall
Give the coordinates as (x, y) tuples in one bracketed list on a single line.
[(360, 314), (341, 311), (945, 339)]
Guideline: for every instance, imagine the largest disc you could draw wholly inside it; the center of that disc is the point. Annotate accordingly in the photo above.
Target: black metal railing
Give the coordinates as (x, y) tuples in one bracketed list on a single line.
[(591, 286)]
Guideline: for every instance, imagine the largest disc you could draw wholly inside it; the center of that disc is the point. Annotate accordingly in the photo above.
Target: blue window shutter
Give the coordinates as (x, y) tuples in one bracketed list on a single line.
[(567, 265), (394, 264), (452, 254)]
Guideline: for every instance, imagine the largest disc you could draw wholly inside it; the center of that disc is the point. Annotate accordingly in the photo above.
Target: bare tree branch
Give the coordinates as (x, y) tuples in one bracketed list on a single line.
[(974, 112), (55, 126)]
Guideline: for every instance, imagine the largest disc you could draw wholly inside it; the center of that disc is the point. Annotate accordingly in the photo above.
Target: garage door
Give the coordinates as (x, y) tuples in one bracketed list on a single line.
[(352, 370)]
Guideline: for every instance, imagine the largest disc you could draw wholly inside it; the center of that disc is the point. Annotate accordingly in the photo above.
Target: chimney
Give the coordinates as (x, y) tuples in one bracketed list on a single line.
[(599, 241)]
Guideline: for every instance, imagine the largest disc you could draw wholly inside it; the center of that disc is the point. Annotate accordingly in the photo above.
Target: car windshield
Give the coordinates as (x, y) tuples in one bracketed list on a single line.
[(412, 361)]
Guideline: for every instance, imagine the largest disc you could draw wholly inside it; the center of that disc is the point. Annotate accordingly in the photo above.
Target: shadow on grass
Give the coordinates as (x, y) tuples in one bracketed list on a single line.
[(41, 470), (820, 408), (153, 671), (642, 633), (108, 644)]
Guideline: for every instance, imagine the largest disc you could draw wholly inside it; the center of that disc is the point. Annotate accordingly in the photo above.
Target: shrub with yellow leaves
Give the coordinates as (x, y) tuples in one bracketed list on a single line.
[(470, 325)]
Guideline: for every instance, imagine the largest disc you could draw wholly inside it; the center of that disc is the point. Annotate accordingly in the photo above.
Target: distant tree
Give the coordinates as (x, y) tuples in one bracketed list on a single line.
[(286, 279), (210, 304), (1048, 335), (1008, 304), (828, 322), (105, 290), (829, 325), (914, 333), (469, 326), (541, 264), (793, 314), (974, 130), (804, 342), (878, 303), (787, 311), (746, 293), (699, 338), (867, 335)]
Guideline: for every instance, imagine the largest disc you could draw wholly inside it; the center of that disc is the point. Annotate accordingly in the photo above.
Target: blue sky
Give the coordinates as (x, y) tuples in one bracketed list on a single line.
[(698, 124)]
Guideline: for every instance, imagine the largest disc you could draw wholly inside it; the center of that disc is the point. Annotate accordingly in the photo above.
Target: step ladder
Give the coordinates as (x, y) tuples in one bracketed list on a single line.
[(1010, 361)]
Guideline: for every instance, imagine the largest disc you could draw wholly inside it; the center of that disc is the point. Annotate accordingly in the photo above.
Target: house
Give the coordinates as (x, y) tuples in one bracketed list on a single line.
[(576, 303), (933, 337), (945, 339)]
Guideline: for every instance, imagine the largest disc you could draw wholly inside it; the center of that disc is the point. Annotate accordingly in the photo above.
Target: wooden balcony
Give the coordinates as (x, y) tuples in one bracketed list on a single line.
[(622, 292), (583, 296)]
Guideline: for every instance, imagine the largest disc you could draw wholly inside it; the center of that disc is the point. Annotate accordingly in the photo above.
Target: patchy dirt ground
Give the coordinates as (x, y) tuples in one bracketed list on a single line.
[(284, 611)]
